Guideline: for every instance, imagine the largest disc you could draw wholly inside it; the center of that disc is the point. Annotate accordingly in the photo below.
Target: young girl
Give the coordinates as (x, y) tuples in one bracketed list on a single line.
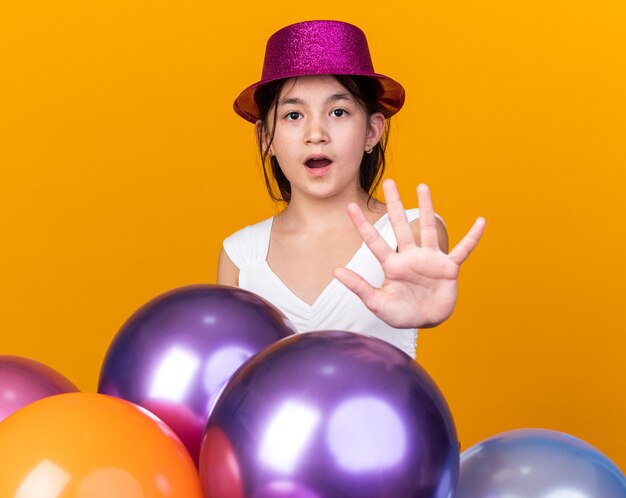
[(321, 116)]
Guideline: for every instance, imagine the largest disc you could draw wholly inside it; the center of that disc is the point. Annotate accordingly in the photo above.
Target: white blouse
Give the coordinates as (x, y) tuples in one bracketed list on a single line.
[(336, 308)]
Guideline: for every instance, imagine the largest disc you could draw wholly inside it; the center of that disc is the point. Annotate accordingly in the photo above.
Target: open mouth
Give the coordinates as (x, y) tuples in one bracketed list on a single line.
[(317, 162)]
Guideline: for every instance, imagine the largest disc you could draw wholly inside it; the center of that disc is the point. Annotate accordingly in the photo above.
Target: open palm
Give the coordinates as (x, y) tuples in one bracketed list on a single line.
[(421, 281)]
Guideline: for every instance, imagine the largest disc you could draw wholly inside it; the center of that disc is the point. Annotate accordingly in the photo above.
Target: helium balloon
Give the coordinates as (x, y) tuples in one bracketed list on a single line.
[(23, 381), (538, 463), (330, 414), (87, 445), (174, 355)]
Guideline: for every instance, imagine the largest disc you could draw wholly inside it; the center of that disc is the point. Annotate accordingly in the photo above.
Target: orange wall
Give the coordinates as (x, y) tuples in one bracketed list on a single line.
[(123, 167)]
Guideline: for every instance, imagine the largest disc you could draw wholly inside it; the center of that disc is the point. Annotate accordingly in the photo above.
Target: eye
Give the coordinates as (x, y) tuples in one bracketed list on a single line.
[(292, 116), (339, 112)]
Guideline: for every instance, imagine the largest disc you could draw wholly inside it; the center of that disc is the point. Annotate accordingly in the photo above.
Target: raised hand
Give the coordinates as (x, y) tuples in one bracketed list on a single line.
[(420, 286)]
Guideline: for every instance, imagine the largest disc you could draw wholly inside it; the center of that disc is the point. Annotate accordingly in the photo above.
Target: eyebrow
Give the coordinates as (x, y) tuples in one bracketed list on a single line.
[(333, 98), (340, 96), (290, 101)]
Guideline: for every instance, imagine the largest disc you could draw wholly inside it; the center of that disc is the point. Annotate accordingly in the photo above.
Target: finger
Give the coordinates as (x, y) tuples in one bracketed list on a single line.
[(356, 283), (380, 249), (463, 249), (428, 224), (397, 215)]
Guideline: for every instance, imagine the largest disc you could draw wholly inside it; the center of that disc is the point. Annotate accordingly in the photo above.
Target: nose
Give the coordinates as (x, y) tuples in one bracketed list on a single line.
[(316, 131)]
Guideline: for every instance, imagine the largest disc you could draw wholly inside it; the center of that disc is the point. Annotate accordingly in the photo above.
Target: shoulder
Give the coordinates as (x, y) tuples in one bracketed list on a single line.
[(227, 271), (413, 216), (248, 243)]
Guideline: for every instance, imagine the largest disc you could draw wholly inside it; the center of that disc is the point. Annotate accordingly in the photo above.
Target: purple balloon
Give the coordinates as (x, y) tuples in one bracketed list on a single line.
[(23, 381), (174, 355), (538, 463), (330, 414)]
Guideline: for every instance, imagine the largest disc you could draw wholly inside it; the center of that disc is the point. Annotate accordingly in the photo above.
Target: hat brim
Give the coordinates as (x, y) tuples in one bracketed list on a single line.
[(391, 99)]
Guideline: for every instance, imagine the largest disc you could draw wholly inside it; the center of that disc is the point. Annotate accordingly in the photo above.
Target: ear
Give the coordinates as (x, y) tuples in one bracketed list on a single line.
[(375, 128), (262, 137)]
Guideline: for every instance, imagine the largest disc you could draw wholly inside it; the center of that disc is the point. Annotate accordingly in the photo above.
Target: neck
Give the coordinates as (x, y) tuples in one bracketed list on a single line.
[(326, 213)]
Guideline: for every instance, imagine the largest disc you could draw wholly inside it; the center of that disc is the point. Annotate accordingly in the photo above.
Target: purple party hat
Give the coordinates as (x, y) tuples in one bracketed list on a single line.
[(318, 48)]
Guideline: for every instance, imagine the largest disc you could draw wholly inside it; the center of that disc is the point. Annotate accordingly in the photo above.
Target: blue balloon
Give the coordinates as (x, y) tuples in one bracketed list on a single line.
[(538, 463)]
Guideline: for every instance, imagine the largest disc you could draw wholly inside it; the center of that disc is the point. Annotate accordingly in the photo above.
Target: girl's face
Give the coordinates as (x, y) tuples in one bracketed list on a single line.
[(321, 134)]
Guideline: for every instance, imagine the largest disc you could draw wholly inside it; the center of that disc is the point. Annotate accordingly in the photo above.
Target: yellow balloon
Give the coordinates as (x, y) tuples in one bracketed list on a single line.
[(86, 445)]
